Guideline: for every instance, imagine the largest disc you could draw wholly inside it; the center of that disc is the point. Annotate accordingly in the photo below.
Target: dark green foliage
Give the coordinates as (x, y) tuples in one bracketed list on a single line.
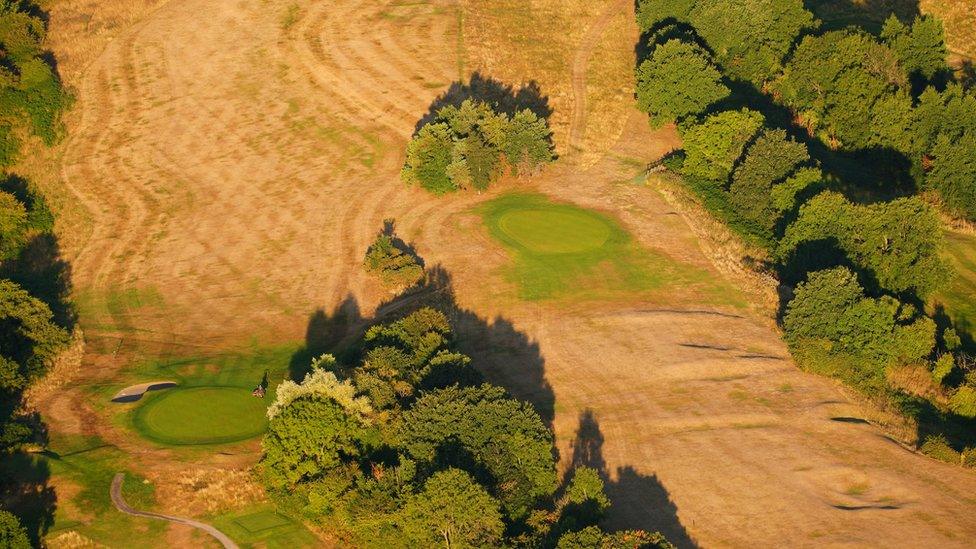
[(650, 13), (12, 533), (394, 266), (768, 161), (502, 441), (452, 510), (840, 84), (714, 146), (585, 502), (953, 174), (28, 336), (920, 48), (750, 37), (678, 80), (830, 309), (937, 447), (896, 245), (469, 146), (963, 401)]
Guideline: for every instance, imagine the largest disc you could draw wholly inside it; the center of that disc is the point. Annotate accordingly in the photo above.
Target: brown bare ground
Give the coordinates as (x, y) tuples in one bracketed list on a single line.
[(236, 167)]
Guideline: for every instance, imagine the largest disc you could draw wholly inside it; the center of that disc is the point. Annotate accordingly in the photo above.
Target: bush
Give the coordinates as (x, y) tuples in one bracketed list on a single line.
[(936, 446), (768, 161), (713, 146), (943, 368), (963, 401), (12, 533), (394, 266)]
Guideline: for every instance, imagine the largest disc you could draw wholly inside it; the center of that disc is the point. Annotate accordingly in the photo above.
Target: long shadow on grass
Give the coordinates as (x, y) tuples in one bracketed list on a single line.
[(505, 98), (25, 492), (638, 501), (503, 354)]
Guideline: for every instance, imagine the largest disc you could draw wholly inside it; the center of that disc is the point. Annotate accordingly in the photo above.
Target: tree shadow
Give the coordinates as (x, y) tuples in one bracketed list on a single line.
[(325, 333), (25, 491), (389, 229), (868, 15), (498, 350), (631, 490), (504, 98)]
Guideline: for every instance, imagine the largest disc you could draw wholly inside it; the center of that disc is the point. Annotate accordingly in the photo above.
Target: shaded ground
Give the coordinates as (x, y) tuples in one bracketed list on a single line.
[(226, 195)]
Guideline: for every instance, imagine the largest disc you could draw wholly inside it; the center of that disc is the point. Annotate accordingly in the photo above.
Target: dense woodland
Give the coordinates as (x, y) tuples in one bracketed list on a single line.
[(35, 318), (836, 152)]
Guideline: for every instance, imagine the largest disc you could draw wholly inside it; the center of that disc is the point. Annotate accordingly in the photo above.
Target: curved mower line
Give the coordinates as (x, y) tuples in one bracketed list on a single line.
[(121, 505)]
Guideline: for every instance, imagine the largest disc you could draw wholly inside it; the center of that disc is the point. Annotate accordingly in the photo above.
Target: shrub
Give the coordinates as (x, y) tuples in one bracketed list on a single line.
[(768, 161), (12, 533), (936, 446), (943, 367), (963, 401), (394, 266)]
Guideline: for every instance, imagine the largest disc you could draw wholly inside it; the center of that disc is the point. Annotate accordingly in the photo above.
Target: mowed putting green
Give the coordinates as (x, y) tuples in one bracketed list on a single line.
[(561, 251), (201, 415), (562, 230)]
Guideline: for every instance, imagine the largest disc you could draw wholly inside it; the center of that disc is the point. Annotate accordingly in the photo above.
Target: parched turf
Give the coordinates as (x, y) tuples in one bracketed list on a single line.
[(201, 415), (562, 251)]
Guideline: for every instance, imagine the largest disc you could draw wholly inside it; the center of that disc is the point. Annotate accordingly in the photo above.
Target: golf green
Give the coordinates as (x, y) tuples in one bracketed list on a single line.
[(556, 230), (202, 415)]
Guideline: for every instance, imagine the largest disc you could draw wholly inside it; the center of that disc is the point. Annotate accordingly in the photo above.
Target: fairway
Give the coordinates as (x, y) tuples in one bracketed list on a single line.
[(202, 415)]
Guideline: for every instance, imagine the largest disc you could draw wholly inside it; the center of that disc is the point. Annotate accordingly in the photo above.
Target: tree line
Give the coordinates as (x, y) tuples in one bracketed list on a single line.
[(34, 325), (785, 127), (408, 446)]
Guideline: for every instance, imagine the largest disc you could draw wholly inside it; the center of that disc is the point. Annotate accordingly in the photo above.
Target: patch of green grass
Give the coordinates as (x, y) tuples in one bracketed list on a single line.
[(211, 386), (110, 309), (263, 526), (201, 415), (958, 298), (78, 471), (562, 251)]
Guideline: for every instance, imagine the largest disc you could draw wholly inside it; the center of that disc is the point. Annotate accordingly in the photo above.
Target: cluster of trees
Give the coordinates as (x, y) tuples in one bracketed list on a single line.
[(388, 258), (31, 102), (861, 272), (410, 448), (470, 146)]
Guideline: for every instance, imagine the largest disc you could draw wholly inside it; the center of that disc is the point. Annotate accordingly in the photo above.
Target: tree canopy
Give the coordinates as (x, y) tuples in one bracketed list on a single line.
[(469, 145), (678, 80), (454, 511)]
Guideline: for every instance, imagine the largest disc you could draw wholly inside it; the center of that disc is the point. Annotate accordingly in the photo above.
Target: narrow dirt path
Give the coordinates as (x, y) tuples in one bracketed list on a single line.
[(581, 63), (121, 505)]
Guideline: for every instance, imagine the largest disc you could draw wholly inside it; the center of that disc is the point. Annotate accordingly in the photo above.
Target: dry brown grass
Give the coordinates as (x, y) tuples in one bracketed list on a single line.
[(207, 491), (959, 18), (71, 540)]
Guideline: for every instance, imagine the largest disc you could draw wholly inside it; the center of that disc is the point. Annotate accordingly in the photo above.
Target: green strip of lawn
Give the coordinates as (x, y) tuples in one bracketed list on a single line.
[(201, 415), (561, 251)]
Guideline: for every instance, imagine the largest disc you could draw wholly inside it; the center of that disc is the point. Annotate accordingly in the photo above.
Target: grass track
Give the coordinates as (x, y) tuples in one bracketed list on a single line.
[(201, 415), (262, 525), (561, 251)]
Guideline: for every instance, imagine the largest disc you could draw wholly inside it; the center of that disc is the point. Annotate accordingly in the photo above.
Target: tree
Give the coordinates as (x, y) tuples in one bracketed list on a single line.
[(592, 537), (953, 174), (500, 440), (750, 38), (768, 161), (831, 307), (528, 143), (394, 266), (678, 80), (651, 13), (713, 146), (454, 511), (429, 154), (920, 49), (585, 502), (895, 245), (12, 533), (13, 225), (311, 436), (466, 145), (836, 82)]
